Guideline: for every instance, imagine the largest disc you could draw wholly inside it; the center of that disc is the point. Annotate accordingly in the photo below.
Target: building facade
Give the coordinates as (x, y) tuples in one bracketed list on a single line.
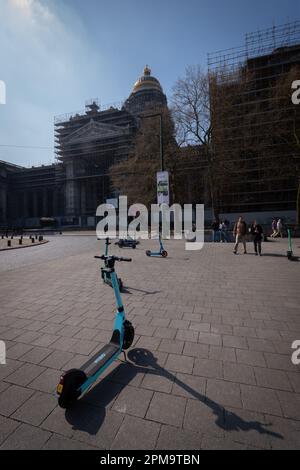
[(87, 144)]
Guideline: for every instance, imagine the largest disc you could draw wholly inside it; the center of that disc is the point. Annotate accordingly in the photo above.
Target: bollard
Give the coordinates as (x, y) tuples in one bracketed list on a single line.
[(32, 240), (20, 241), (41, 238), (9, 243)]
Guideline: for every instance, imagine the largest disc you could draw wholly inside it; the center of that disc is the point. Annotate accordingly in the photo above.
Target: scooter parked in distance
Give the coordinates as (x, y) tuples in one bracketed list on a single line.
[(127, 243), (162, 253)]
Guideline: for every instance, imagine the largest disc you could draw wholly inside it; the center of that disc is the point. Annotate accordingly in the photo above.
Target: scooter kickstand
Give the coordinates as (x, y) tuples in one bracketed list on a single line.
[(125, 355)]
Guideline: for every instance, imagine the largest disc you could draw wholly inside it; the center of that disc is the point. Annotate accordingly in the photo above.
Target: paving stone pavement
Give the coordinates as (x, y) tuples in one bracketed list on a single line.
[(210, 367)]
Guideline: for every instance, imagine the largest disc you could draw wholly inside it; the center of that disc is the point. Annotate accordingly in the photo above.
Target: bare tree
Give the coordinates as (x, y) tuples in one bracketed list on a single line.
[(135, 177), (196, 100)]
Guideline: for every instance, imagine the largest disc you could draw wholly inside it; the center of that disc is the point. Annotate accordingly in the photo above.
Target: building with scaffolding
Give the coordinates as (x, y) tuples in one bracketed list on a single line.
[(87, 144), (254, 123)]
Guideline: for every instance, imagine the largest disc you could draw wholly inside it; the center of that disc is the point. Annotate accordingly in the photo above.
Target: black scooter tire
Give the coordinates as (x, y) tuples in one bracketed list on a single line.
[(72, 380), (128, 335), (148, 253), (164, 254)]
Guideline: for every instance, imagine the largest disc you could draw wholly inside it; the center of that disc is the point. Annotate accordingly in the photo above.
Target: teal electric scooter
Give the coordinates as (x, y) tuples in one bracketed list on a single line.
[(162, 253), (76, 382), (105, 270)]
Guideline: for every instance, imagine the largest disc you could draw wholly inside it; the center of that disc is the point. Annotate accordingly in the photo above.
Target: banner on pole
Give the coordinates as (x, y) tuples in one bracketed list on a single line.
[(163, 194)]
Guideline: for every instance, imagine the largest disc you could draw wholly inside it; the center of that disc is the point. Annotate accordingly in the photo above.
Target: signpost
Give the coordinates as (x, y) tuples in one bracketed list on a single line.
[(163, 192)]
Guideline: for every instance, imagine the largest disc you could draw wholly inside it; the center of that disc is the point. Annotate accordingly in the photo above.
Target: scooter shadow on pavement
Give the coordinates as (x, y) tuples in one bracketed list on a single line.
[(88, 414)]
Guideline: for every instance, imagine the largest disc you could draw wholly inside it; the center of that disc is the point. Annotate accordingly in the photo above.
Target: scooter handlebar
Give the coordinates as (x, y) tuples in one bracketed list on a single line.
[(103, 257)]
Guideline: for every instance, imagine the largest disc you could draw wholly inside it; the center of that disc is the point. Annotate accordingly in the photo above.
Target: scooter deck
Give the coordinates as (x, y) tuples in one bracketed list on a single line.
[(99, 359)]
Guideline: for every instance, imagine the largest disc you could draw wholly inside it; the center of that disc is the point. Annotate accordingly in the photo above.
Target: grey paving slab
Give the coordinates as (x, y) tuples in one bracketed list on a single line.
[(133, 401), (208, 368), (189, 386), (179, 363), (25, 374), (239, 373), (35, 410), (136, 433), (26, 437), (260, 399), (171, 438), (204, 418), (167, 409), (224, 393), (7, 427), (12, 398)]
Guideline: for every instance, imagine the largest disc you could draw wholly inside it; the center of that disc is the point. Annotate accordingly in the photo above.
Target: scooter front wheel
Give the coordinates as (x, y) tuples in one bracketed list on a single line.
[(148, 253), (164, 254), (128, 335), (68, 387)]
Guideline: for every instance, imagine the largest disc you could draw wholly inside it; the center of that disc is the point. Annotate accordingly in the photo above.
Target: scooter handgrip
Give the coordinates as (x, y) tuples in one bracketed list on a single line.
[(99, 257), (126, 259)]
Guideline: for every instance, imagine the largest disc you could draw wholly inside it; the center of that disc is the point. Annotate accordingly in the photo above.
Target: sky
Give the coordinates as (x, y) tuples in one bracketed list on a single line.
[(57, 54)]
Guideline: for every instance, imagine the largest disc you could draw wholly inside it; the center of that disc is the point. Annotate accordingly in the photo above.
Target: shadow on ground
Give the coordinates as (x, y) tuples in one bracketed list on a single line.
[(89, 413)]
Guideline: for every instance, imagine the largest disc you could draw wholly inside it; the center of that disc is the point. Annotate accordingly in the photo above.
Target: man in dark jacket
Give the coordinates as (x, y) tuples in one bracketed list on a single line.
[(239, 232), (216, 232), (256, 231)]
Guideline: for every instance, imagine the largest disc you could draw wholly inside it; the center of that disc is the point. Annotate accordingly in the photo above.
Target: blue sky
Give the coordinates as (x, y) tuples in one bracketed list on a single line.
[(56, 54)]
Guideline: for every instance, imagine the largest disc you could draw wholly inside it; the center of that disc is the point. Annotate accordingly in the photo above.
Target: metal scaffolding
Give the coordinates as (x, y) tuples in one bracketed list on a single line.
[(251, 123)]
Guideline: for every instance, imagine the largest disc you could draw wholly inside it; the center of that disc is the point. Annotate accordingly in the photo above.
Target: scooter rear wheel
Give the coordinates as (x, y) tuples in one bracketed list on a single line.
[(71, 381), (164, 254), (148, 253), (128, 335)]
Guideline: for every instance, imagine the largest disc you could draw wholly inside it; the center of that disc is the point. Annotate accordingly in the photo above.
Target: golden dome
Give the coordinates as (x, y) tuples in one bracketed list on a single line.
[(147, 82)]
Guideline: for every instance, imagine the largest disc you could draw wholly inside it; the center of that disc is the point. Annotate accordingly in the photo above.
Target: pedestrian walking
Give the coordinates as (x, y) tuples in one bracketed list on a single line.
[(239, 232), (280, 228), (256, 231), (274, 228)]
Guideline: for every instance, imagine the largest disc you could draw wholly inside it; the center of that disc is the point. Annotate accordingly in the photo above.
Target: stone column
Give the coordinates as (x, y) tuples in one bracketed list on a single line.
[(35, 204), (26, 209), (45, 202), (83, 198), (72, 191), (4, 205)]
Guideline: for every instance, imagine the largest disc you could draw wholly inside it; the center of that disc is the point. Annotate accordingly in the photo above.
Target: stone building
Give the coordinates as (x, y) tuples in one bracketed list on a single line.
[(86, 145)]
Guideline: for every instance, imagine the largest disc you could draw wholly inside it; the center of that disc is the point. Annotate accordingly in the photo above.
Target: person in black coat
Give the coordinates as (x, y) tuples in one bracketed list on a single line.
[(257, 233)]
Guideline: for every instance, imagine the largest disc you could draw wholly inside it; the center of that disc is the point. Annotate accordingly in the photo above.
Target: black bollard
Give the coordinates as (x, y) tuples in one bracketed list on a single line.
[(32, 240), (20, 241), (9, 243)]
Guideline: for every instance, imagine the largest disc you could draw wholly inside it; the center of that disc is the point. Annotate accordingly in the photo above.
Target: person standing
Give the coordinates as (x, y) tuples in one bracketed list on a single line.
[(239, 232), (223, 232), (216, 232), (256, 231)]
